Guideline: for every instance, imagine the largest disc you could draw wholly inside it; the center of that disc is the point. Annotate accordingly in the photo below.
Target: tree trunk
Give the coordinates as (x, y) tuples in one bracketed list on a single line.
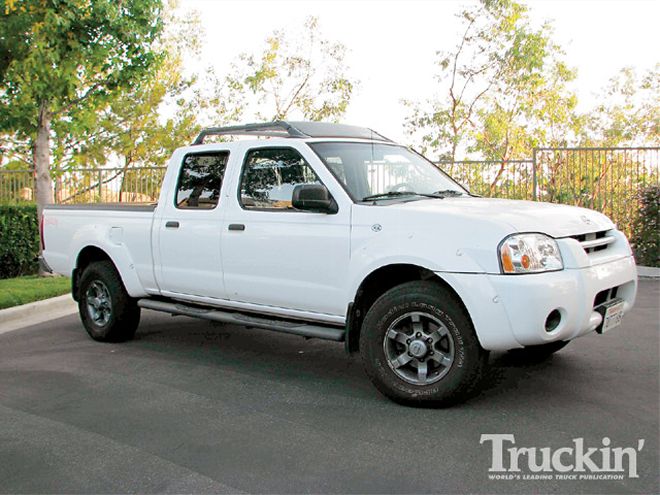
[(43, 182), (127, 163)]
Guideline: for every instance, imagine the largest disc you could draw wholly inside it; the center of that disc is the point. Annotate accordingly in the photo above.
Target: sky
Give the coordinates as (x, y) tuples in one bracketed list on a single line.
[(393, 44)]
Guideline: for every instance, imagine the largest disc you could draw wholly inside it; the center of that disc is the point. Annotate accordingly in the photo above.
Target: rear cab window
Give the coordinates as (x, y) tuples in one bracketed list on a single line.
[(200, 179)]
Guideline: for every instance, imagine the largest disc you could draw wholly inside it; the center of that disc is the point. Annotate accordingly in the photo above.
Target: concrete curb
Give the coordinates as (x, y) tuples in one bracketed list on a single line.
[(36, 312), (649, 272)]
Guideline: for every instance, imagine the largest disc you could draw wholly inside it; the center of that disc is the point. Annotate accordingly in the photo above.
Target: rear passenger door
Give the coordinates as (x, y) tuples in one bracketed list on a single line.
[(190, 229)]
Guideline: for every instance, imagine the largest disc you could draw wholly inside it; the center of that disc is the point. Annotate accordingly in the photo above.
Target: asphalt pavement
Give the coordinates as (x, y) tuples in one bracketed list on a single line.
[(195, 407)]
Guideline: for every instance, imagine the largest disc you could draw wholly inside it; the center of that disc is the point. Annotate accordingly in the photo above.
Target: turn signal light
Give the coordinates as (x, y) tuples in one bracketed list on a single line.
[(525, 261), (507, 262)]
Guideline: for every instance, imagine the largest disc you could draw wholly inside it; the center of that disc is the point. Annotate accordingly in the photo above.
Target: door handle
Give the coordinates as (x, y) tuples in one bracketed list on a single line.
[(172, 225), (236, 226)]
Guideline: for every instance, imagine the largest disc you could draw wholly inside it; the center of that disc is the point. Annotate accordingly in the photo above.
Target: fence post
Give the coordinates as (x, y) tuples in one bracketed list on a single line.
[(100, 186), (534, 179)]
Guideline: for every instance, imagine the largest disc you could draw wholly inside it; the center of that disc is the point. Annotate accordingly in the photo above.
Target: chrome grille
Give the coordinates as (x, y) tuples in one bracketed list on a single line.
[(594, 241)]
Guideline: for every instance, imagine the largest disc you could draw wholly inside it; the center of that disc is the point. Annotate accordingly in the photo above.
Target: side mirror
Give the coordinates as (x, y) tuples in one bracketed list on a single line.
[(313, 197)]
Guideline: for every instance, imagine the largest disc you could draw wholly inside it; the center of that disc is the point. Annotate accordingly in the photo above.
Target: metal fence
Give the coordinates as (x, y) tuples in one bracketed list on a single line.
[(604, 179), (132, 185), (512, 179)]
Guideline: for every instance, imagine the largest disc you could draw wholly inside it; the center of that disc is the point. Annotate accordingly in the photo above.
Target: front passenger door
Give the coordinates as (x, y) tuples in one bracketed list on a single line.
[(275, 255)]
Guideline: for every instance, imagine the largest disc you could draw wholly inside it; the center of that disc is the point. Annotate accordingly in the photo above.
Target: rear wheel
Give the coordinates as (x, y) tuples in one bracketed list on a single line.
[(108, 313), (418, 346)]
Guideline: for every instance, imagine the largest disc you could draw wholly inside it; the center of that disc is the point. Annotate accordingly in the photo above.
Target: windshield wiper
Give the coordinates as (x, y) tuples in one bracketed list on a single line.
[(390, 194), (393, 194)]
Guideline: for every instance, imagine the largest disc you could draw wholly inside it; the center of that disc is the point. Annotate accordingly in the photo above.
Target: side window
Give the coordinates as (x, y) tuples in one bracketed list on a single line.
[(200, 179), (269, 176)]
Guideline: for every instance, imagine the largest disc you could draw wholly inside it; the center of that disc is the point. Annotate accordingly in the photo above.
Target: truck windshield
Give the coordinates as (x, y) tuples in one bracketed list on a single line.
[(378, 171)]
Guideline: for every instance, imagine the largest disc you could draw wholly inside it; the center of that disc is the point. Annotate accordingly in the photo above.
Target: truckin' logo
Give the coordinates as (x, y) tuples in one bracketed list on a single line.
[(574, 462)]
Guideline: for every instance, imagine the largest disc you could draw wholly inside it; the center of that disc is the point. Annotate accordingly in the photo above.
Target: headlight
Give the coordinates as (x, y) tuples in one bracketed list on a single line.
[(530, 253)]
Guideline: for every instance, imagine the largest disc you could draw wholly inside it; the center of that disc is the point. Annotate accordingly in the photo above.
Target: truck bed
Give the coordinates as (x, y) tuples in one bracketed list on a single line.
[(123, 229)]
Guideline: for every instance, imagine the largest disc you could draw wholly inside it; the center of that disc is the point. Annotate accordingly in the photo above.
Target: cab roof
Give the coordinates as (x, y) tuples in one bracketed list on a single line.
[(300, 130)]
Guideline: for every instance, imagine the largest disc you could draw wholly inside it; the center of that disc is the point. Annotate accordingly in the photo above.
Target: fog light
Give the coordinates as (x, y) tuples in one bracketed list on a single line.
[(552, 321)]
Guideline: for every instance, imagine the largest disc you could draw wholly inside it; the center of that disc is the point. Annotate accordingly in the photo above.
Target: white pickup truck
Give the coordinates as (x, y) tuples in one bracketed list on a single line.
[(334, 232)]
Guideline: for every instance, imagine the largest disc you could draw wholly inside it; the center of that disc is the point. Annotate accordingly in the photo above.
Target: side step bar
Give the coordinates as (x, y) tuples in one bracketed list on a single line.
[(293, 327)]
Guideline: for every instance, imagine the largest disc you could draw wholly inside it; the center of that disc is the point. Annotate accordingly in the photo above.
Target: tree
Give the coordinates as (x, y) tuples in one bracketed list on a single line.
[(303, 76), (141, 127), (466, 74), (629, 111), (64, 59), (141, 124), (530, 107), (504, 88)]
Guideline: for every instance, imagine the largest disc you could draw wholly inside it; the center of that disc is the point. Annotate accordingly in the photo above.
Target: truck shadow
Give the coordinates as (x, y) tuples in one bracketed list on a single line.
[(321, 367)]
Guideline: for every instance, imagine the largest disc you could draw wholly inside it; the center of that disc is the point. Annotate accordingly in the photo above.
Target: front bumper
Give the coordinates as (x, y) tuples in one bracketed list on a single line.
[(510, 311)]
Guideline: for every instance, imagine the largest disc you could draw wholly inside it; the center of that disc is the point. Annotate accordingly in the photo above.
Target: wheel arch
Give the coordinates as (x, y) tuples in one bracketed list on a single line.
[(90, 254), (375, 284)]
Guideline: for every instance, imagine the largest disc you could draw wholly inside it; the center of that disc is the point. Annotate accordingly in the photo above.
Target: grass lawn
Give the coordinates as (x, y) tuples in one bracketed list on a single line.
[(22, 290)]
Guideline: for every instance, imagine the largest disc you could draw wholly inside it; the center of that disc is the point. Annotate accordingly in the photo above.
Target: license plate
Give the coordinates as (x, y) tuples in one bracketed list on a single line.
[(612, 312)]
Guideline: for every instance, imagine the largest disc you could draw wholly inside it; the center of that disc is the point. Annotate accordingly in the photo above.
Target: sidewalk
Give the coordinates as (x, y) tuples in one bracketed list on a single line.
[(648, 272), (36, 312)]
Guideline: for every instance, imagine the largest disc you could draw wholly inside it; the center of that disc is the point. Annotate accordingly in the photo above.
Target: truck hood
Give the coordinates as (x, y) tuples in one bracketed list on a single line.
[(555, 220)]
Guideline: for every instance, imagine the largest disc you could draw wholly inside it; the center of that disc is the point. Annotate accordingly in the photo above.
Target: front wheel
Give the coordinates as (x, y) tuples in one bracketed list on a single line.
[(419, 347), (108, 313)]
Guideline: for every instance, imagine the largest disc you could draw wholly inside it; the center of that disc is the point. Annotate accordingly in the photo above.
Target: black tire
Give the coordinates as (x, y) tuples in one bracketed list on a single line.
[(119, 313), (538, 353), (455, 382)]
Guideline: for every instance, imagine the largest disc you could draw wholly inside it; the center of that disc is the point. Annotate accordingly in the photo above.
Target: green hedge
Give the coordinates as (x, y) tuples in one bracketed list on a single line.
[(646, 236), (19, 240)]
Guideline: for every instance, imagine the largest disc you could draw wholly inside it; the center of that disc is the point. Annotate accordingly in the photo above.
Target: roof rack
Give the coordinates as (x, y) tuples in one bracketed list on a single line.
[(280, 128)]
